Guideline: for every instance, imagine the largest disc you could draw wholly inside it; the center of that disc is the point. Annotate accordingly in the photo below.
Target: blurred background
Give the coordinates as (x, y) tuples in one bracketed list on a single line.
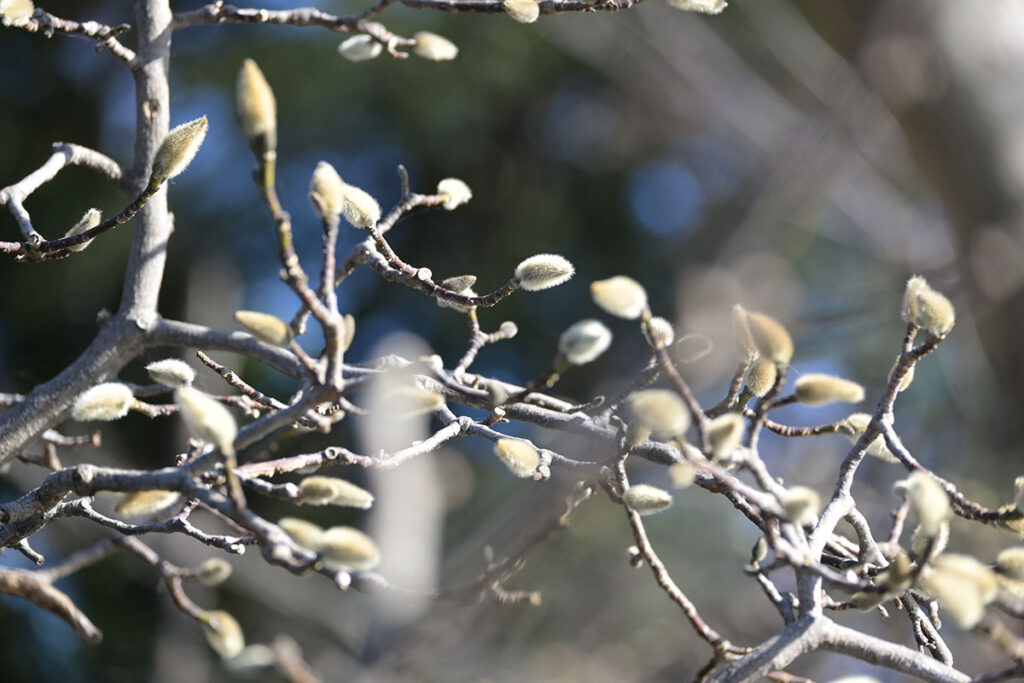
[(801, 158)]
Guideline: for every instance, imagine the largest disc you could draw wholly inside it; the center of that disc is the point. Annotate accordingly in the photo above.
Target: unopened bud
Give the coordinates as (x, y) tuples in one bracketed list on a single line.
[(646, 500), (318, 490), (543, 271), (171, 372), (761, 377), (459, 283), (523, 11), (213, 571), (347, 548), (223, 634), (920, 541), (816, 389), (146, 503), (1018, 499), (700, 6), (16, 12), (1010, 562), (306, 534), (770, 337), (406, 402), (801, 505), (255, 103), (359, 208), (207, 419), (454, 192), (682, 475), (854, 425), (89, 220), (928, 501), (663, 334), (328, 188), (907, 378), (865, 601), (962, 586), (104, 402), (265, 327), (743, 340), (927, 308), (661, 411), (350, 331), (508, 329), (725, 433), (434, 47), (519, 456), (360, 48), (621, 296), (177, 150), (584, 341)]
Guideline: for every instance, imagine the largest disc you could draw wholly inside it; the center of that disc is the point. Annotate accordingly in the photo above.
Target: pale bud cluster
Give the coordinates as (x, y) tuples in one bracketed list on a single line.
[(340, 547)]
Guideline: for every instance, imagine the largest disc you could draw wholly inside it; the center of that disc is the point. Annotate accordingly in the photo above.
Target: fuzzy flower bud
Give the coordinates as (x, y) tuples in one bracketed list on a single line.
[(646, 500), (962, 585), (743, 340), (332, 491), (434, 47), (663, 334), (928, 501), (854, 425), (16, 12), (360, 48), (255, 104), (454, 192), (177, 150), (350, 331), (682, 474), (104, 402), (801, 505), (146, 503), (761, 377), (816, 389), (223, 634), (1010, 562), (543, 271), (621, 296), (1018, 488), (213, 571), (359, 208), (508, 329), (907, 378), (327, 189), (661, 411), (920, 541), (89, 220), (306, 534), (519, 456), (584, 341), (171, 372), (700, 6), (347, 548), (725, 433), (927, 308), (207, 419), (406, 402), (265, 327), (770, 337), (523, 11)]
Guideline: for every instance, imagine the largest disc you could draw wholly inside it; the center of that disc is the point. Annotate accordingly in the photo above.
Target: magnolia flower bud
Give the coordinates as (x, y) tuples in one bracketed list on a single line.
[(177, 150), (265, 327), (434, 47), (328, 188), (770, 337), (332, 491), (725, 433), (700, 6), (543, 271), (16, 12), (928, 501), (523, 11), (360, 48), (347, 548), (350, 331), (864, 601), (801, 505), (359, 208), (508, 329), (213, 571), (1010, 562), (223, 634), (104, 402), (743, 340), (854, 425), (454, 192), (171, 372), (306, 534), (406, 402), (621, 296), (962, 585), (146, 503), (255, 104), (584, 341), (920, 541), (663, 335), (646, 500), (927, 308), (207, 419), (907, 378), (900, 574), (761, 377), (682, 474), (519, 456), (661, 411), (89, 220), (459, 283), (816, 389)]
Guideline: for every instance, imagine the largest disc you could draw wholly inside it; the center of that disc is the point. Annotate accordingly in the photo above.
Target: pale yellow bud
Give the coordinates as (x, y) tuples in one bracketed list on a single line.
[(508, 329), (171, 372), (543, 271), (854, 425), (725, 433), (867, 602), (146, 503), (454, 192), (621, 296), (223, 634), (801, 505), (682, 475), (104, 403), (523, 11), (663, 335), (743, 340), (761, 377), (928, 501), (434, 47), (770, 337), (920, 540), (646, 500), (1010, 562), (962, 585), (89, 220), (347, 548), (661, 411), (359, 208), (16, 12), (306, 534), (459, 283), (584, 341), (927, 308), (265, 327), (816, 389), (329, 189), (519, 456), (360, 48), (178, 149), (406, 402), (700, 6), (207, 419), (900, 574), (213, 571), (332, 491), (1018, 487), (255, 104), (350, 331)]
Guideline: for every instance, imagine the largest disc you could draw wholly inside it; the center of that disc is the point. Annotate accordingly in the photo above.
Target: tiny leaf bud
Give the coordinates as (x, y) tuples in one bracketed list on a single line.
[(661, 411), (360, 48), (770, 337), (621, 296), (104, 402), (347, 548), (663, 335), (171, 372), (177, 150), (761, 377), (646, 500), (207, 419), (146, 503), (89, 220), (519, 456), (455, 193), (223, 634), (318, 490), (584, 341), (329, 188), (265, 327), (459, 283), (927, 308), (816, 389), (434, 47), (725, 433), (213, 571), (359, 208), (801, 505), (543, 271), (306, 534), (523, 11), (255, 104)]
